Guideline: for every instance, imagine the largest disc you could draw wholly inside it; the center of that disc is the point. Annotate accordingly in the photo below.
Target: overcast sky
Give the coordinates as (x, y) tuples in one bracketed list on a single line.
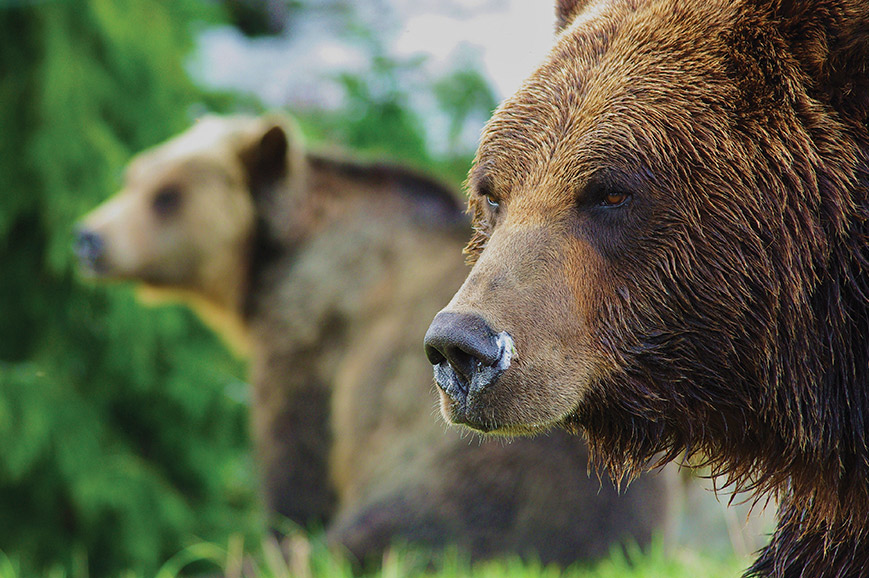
[(504, 39), (508, 37), (512, 36)]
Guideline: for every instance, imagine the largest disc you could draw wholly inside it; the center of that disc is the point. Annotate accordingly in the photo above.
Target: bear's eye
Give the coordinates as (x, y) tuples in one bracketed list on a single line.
[(614, 199), (484, 190), (605, 191), (167, 200)]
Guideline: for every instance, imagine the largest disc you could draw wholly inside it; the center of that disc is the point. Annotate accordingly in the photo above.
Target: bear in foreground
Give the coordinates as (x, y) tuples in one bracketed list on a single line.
[(671, 257), (327, 272)]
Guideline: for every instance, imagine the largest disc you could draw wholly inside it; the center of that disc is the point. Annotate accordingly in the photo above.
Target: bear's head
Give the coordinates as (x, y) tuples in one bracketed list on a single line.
[(671, 244), (187, 216)]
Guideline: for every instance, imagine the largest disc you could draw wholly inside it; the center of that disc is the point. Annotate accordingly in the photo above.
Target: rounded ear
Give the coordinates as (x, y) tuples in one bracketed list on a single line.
[(566, 11), (830, 40), (848, 66), (266, 155), (275, 162)]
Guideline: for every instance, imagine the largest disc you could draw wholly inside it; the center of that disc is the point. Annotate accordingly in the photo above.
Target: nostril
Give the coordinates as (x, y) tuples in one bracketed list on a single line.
[(464, 363), (434, 356)]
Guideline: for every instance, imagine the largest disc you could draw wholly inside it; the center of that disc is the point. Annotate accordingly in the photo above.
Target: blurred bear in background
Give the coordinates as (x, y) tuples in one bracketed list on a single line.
[(326, 272)]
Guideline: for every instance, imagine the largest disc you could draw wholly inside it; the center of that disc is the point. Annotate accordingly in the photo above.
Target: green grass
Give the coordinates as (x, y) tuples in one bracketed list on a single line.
[(309, 558)]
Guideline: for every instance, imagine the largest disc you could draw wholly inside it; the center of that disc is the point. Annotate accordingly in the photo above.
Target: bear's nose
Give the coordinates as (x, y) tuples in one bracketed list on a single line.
[(89, 248), (466, 353), (458, 338)]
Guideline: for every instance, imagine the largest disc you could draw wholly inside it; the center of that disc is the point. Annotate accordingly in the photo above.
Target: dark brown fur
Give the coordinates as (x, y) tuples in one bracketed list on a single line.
[(721, 311), (342, 266)]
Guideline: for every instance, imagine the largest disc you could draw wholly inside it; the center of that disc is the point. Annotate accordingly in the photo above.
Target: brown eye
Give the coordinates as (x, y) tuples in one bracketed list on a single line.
[(484, 189), (167, 200), (615, 199)]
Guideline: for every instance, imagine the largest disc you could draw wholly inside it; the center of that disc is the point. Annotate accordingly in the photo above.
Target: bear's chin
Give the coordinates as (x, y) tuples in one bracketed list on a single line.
[(485, 421)]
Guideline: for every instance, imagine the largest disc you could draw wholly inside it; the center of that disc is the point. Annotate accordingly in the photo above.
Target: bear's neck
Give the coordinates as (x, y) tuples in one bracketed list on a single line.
[(225, 318), (362, 228), (220, 308), (221, 311)]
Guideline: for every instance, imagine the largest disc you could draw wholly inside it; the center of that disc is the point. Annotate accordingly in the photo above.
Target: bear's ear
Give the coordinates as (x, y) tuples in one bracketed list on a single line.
[(265, 155), (275, 162), (830, 40), (566, 11)]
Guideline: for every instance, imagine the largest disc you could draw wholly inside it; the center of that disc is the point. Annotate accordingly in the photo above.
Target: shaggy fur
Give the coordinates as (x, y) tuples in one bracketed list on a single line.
[(671, 223), (335, 268)]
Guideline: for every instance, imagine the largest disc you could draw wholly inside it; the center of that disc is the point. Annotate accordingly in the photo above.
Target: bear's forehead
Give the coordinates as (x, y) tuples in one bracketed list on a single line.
[(209, 135), (621, 76), (202, 136), (205, 146)]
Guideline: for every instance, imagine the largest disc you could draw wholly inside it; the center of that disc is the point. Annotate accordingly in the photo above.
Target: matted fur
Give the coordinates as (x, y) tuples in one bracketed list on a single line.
[(721, 314)]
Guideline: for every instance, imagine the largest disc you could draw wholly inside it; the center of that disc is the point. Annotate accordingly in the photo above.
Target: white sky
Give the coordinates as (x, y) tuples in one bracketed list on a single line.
[(509, 38), (512, 36)]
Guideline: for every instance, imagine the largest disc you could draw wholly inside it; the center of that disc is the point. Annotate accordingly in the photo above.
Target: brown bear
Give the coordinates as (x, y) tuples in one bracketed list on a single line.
[(671, 248), (327, 271)]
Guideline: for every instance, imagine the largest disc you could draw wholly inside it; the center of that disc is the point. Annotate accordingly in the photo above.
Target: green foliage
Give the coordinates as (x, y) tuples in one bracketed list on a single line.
[(382, 120), (464, 94), (376, 117), (124, 430), (121, 430)]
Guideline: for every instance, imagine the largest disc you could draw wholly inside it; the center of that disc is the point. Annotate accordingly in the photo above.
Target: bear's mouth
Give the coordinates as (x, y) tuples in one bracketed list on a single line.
[(461, 396), (480, 410), (467, 381), (484, 419)]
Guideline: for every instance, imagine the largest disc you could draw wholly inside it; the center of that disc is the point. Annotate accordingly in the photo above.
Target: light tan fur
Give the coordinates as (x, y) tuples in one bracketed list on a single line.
[(329, 270)]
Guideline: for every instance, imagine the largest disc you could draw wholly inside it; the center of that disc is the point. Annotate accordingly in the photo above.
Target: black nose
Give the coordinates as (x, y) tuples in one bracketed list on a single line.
[(467, 354), (89, 248)]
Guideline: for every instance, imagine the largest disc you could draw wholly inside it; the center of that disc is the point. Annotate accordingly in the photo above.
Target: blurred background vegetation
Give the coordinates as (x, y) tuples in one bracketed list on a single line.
[(123, 430)]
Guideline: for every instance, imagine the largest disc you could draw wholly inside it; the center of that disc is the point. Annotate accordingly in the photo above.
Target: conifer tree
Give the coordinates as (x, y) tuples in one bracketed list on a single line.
[(122, 429)]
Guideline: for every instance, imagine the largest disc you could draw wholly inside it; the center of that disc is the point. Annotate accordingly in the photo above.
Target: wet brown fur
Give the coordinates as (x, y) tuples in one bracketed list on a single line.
[(721, 313), (343, 265)]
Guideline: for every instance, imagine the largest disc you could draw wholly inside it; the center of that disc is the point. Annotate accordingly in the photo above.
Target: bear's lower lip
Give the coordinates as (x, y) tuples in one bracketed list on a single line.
[(456, 411), (466, 399), (472, 418), (475, 414)]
